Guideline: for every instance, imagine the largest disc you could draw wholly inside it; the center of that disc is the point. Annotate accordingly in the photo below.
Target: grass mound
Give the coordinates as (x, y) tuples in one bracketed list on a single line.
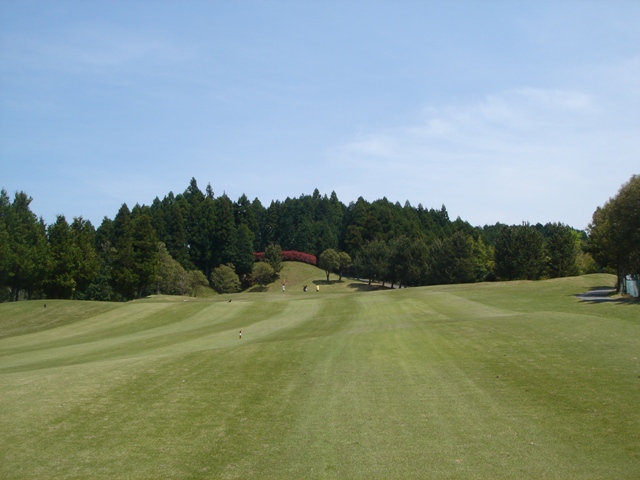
[(296, 275), (505, 380)]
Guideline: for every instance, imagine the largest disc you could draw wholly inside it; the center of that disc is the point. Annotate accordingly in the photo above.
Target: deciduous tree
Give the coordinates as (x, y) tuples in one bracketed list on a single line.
[(345, 262), (614, 232), (262, 273), (329, 261), (225, 280)]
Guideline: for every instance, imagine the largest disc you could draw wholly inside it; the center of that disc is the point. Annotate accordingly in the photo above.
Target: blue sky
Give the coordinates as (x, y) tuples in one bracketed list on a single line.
[(502, 111)]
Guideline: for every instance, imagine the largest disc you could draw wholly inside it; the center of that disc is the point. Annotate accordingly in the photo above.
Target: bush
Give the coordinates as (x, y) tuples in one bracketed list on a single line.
[(290, 256), (197, 282), (295, 256), (262, 273), (225, 280)]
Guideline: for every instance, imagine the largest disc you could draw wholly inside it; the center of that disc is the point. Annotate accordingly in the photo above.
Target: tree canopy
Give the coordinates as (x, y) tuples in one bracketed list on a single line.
[(614, 232), (152, 249)]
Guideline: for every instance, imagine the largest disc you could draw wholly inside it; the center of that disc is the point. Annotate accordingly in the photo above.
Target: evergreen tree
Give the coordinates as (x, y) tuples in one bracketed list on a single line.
[(100, 287), (176, 239), (519, 253), (6, 254), (64, 260), (407, 261), (451, 260), (28, 258), (372, 262), (260, 234), (123, 278), (244, 214), (562, 246), (145, 253), (83, 237), (243, 259), (354, 221), (273, 256), (272, 220), (224, 232)]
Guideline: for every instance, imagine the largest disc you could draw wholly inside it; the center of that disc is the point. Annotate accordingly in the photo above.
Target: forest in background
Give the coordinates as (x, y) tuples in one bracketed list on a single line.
[(189, 241)]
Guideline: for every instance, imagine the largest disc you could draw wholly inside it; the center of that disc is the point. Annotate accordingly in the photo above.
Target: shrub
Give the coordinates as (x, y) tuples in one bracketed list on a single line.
[(225, 280), (290, 256), (262, 273), (295, 256)]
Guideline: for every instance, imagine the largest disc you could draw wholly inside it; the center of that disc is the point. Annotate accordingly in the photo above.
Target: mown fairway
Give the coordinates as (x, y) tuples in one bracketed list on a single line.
[(507, 380)]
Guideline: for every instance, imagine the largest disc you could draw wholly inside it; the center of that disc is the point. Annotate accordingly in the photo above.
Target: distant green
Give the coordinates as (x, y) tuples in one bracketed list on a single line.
[(492, 380)]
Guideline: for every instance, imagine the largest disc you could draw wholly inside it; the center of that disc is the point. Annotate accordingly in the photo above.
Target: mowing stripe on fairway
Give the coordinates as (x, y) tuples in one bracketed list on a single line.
[(517, 380)]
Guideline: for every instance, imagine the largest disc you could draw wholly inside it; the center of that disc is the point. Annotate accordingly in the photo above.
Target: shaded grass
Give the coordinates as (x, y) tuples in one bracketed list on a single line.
[(518, 380)]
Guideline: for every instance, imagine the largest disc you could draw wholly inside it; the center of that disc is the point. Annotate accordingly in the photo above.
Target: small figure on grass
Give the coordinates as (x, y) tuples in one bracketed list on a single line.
[(240, 335)]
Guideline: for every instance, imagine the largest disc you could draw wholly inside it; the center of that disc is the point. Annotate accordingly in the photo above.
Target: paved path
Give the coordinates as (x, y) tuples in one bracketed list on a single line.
[(598, 294)]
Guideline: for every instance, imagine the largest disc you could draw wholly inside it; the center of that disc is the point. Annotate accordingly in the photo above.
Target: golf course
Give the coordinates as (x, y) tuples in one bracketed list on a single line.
[(497, 380)]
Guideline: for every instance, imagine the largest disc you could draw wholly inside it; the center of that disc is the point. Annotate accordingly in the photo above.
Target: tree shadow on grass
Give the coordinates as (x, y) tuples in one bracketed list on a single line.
[(364, 287)]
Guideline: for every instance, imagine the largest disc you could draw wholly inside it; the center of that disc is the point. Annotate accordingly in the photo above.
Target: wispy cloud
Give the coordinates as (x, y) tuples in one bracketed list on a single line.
[(87, 50), (523, 154)]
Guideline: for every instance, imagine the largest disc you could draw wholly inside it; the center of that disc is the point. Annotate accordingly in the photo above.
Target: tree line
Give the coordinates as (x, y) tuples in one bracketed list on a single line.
[(189, 241)]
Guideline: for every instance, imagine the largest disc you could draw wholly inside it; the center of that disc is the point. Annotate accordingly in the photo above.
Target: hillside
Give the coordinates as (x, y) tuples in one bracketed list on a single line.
[(296, 275), (504, 380)]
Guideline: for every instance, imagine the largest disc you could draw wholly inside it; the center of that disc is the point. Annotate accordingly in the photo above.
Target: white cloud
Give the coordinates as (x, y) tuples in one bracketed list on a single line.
[(530, 154)]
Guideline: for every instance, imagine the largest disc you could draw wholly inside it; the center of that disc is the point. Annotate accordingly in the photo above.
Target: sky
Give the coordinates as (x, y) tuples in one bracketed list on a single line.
[(502, 111)]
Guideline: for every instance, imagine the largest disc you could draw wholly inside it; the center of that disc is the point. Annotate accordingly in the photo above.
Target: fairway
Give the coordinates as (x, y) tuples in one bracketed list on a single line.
[(503, 380)]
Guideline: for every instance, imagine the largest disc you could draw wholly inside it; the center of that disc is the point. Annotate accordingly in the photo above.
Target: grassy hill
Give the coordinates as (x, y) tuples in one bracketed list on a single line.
[(504, 380), (295, 275)]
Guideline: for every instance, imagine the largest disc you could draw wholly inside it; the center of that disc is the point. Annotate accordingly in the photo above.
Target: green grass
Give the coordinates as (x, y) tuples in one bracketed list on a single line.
[(505, 380)]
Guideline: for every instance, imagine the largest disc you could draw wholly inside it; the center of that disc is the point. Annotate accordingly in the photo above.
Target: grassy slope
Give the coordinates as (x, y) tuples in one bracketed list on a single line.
[(507, 380)]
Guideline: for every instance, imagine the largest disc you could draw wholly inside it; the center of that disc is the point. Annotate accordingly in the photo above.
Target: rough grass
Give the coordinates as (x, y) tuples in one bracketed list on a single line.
[(506, 380)]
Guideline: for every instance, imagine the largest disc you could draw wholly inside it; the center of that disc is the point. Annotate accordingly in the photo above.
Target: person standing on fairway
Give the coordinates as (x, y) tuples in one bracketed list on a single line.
[(317, 288), (240, 334)]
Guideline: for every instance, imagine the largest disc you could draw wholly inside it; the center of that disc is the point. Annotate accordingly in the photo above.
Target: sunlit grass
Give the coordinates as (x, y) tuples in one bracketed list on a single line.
[(507, 380)]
